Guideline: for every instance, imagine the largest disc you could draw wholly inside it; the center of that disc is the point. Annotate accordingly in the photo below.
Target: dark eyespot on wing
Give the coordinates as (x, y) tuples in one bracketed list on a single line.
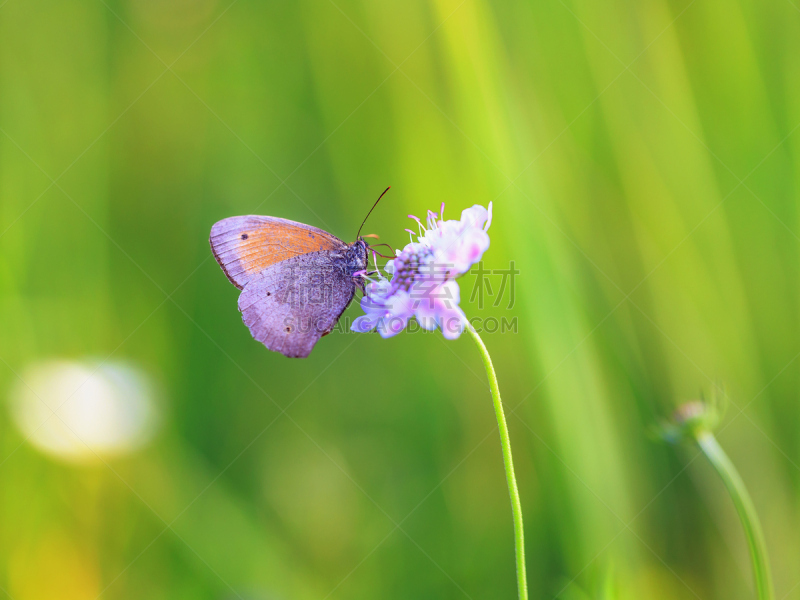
[(245, 246)]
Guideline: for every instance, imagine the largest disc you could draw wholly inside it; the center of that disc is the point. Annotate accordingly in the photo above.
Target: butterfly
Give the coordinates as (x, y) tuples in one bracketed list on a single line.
[(296, 280)]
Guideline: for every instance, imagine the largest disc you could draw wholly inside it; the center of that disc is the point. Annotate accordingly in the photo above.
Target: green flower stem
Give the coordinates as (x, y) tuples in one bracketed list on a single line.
[(505, 442), (744, 506)]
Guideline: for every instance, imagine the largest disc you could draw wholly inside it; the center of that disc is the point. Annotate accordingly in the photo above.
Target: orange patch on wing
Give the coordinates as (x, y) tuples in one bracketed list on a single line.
[(273, 243), (245, 246)]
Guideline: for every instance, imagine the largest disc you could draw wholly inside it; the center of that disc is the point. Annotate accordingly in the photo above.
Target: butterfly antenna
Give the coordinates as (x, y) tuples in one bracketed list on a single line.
[(371, 209)]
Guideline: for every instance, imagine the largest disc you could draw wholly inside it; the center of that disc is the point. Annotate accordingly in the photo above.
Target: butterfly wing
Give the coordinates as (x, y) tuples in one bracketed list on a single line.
[(245, 246), (290, 305)]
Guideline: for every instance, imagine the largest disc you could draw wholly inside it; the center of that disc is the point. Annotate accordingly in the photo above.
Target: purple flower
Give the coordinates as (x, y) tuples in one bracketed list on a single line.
[(423, 276)]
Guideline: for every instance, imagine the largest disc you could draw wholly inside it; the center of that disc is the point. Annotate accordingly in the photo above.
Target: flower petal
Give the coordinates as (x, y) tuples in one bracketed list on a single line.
[(364, 324), (391, 326), (452, 323), (475, 216)]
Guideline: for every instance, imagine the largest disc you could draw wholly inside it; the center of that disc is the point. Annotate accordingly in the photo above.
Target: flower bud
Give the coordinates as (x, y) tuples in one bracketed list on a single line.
[(693, 418)]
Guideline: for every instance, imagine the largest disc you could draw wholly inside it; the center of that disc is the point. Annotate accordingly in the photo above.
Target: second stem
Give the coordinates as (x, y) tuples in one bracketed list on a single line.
[(744, 506)]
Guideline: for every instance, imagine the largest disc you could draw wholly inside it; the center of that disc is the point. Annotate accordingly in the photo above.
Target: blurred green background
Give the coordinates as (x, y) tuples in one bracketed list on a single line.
[(643, 162)]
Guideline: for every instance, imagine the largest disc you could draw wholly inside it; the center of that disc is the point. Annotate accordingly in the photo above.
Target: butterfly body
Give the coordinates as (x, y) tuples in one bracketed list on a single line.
[(296, 280)]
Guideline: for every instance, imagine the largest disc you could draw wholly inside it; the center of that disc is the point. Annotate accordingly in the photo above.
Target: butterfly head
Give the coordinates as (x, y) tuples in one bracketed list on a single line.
[(357, 256)]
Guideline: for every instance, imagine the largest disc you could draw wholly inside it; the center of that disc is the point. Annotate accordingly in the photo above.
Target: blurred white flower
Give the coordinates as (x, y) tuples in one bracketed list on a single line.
[(82, 411)]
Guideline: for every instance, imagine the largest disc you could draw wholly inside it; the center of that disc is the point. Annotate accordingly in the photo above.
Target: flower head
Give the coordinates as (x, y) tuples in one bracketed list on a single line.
[(694, 417), (423, 274)]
